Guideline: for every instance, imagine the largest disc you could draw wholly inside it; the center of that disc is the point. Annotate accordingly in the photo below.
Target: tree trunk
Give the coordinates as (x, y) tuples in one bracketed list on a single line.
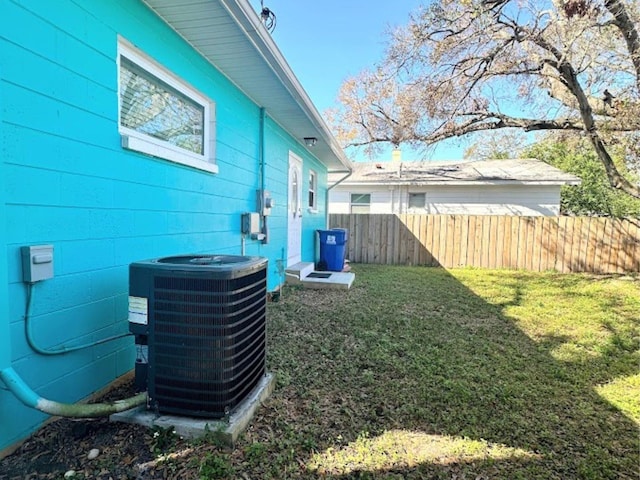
[(586, 113)]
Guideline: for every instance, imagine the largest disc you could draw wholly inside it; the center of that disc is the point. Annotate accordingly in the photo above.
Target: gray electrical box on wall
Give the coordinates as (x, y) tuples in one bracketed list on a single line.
[(37, 263), (250, 223), (265, 202)]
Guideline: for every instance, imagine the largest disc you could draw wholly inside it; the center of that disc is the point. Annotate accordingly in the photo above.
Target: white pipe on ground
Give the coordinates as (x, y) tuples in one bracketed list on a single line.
[(28, 397)]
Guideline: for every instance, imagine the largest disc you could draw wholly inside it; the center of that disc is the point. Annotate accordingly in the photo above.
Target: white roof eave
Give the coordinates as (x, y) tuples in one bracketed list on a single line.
[(262, 74)]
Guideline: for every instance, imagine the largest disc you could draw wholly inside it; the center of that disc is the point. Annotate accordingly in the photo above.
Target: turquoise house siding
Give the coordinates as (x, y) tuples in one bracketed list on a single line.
[(314, 221), (67, 181), (5, 357)]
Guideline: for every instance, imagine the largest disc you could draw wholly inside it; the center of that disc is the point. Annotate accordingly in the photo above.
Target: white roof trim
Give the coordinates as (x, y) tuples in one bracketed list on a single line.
[(462, 182), (269, 82), (523, 171)]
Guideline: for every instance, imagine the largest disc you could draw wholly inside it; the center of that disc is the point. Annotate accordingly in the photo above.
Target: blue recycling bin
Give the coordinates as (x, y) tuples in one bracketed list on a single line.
[(333, 245), (346, 235)]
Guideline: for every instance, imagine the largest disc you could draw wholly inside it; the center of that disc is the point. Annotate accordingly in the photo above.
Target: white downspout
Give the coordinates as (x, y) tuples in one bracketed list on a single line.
[(326, 200)]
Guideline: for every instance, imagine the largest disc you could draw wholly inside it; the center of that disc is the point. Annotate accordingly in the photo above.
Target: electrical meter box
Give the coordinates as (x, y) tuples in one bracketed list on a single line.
[(37, 263), (265, 202)]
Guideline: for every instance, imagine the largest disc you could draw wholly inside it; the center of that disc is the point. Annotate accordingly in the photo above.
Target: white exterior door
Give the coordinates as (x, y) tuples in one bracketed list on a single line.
[(294, 210)]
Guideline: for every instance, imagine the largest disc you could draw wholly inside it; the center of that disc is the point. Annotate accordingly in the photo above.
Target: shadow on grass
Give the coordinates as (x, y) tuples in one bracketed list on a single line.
[(467, 393)]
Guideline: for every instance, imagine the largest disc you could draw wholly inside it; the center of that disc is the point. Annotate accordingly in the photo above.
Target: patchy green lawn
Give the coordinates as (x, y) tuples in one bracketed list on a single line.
[(427, 373), (421, 373)]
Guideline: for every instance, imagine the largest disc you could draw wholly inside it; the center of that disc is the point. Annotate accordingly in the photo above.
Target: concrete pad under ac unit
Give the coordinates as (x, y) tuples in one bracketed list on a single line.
[(226, 430)]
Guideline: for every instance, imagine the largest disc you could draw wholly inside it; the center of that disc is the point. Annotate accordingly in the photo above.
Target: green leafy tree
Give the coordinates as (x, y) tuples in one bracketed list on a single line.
[(594, 196)]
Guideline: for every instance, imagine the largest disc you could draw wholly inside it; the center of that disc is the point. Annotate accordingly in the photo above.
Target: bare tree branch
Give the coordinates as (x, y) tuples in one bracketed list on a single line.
[(629, 32), (464, 66)]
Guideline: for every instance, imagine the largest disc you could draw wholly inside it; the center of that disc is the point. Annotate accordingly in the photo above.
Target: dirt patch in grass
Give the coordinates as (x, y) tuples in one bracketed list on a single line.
[(413, 373)]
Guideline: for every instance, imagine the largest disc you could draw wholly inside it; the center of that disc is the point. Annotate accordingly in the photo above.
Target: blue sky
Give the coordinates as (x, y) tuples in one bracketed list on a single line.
[(325, 42)]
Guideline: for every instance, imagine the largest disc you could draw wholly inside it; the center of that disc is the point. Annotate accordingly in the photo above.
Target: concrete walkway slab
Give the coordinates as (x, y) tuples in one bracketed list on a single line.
[(335, 280)]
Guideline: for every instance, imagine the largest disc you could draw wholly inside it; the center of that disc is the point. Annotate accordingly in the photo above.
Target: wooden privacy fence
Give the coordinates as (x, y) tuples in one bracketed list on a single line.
[(564, 244)]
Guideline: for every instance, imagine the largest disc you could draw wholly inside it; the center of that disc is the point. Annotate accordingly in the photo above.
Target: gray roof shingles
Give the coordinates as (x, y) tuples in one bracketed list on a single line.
[(516, 171)]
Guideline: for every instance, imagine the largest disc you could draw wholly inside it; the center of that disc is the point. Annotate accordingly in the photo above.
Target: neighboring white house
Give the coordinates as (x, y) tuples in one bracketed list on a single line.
[(488, 187)]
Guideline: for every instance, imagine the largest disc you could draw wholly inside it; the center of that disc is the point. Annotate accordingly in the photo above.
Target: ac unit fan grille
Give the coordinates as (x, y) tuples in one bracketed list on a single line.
[(207, 342)]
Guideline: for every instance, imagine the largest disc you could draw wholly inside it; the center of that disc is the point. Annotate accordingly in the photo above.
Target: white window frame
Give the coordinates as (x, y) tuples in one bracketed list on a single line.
[(351, 203), (313, 189), (412, 208), (140, 142)]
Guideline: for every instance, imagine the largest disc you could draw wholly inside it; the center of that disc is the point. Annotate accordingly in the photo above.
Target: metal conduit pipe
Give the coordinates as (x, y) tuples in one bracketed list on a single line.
[(263, 173), (28, 328), (31, 399)]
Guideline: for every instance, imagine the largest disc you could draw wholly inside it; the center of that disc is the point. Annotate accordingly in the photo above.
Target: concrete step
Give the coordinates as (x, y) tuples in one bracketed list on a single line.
[(295, 273), (325, 280), (303, 273)]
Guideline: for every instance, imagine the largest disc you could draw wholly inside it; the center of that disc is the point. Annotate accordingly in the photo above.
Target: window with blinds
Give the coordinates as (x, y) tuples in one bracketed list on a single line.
[(161, 115)]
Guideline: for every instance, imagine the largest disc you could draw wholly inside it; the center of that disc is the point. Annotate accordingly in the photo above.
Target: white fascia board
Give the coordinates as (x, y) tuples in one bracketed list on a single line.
[(244, 14)]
